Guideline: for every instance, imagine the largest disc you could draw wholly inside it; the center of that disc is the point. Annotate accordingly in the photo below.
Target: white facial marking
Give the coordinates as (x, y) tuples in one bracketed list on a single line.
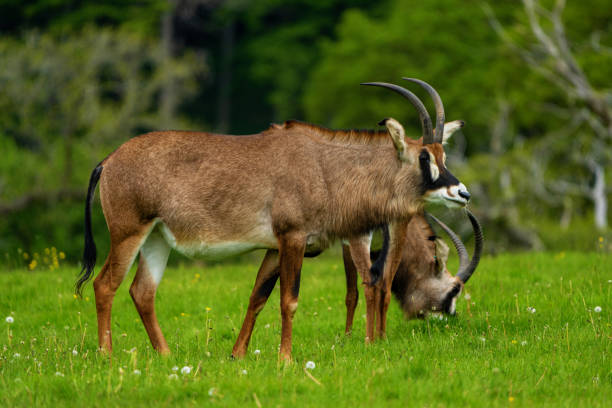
[(155, 252), (449, 196), (453, 306), (435, 171)]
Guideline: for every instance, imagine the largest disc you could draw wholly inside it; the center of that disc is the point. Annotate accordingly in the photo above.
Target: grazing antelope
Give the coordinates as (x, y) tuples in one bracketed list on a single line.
[(292, 188), (422, 282)]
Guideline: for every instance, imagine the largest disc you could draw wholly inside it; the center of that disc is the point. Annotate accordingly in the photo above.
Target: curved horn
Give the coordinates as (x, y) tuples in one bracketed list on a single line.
[(465, 274), (439, 108), (423, 115), (461, 251)]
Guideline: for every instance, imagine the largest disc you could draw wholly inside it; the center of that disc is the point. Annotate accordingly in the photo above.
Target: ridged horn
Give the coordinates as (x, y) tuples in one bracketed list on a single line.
[(466, 266), (465, 274), (461, 251), (414, 100), (439, 108)]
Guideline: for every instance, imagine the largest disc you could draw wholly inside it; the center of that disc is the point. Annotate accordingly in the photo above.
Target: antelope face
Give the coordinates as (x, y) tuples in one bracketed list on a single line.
[(423, 284), (434, 290), (440, 186)]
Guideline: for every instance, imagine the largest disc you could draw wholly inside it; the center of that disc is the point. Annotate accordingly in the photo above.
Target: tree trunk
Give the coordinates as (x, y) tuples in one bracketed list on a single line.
[(598, 195)]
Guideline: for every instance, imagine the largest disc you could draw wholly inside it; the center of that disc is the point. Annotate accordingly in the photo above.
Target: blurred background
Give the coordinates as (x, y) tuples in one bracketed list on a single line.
[(530, 78)]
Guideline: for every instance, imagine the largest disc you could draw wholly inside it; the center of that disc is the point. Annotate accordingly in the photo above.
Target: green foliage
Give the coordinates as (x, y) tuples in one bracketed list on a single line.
[(80, 77), (281, 58), (528, 336), (67, 102), (69, 16), (447, 43)]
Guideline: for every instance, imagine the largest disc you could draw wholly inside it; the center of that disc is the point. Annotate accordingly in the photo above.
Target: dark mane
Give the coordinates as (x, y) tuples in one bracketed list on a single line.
[(350, 136)]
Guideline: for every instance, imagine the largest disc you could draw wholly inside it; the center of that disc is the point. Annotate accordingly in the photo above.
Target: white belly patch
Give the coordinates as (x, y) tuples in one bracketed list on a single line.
[(213, 250)]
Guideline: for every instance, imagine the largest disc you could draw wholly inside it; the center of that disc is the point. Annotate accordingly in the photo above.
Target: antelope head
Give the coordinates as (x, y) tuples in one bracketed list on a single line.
[(423, 284), (427, 155)]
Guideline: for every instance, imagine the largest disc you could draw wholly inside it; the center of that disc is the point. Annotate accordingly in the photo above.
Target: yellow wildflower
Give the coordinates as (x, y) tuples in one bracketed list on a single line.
[(62, 255), (26, 256), (32, 264)]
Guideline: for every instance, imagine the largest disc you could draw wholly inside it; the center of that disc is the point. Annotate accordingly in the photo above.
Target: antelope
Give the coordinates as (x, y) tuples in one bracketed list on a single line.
[(422, 283), (292, 188)]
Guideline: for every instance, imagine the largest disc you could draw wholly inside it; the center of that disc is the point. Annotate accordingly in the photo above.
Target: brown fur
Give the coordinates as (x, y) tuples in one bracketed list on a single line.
[(291, 188)]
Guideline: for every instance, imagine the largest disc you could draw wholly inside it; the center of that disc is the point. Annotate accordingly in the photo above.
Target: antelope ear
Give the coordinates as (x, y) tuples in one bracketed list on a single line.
[(396, 131), (450, 128)]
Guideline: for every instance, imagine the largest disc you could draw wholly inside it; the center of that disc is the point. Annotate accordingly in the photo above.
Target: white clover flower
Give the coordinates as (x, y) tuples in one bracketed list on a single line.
[(257, 352), (467, 296), (267, 326), (244, 372), (136, 372), (175, 368), (75, 353), (597, 309), (185, 370), (173, 376), (523, 343), (211, 391), (483, 339), (310, 365), (58, 374), (16, 355), (9, 319), (531, 310)]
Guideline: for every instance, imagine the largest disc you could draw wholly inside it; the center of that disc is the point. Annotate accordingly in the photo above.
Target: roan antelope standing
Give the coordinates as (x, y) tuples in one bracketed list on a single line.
[(291, 188)]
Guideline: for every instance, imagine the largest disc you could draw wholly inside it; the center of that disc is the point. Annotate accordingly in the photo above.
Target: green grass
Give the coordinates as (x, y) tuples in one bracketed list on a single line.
[(494, 353)]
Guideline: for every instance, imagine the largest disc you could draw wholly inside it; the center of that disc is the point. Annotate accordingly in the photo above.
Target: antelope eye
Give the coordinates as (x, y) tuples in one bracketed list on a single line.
[(424, 156)]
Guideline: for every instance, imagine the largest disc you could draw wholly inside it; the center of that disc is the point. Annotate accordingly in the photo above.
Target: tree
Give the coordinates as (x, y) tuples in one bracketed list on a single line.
[(585, 113), (68, 101)]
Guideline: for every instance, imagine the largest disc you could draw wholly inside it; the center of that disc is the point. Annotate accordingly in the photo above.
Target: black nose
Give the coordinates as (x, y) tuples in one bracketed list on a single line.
[(465, 195)]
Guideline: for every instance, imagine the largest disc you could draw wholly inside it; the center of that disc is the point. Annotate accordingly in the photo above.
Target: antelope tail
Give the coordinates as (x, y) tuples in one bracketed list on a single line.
[(89, 253)]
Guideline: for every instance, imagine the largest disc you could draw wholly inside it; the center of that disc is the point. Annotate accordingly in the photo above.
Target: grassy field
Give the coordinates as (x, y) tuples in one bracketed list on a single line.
[(535, 330)]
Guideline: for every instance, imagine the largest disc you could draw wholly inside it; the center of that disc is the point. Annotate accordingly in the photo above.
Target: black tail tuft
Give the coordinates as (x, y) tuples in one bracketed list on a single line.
[(89, 253), (378, 266)]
